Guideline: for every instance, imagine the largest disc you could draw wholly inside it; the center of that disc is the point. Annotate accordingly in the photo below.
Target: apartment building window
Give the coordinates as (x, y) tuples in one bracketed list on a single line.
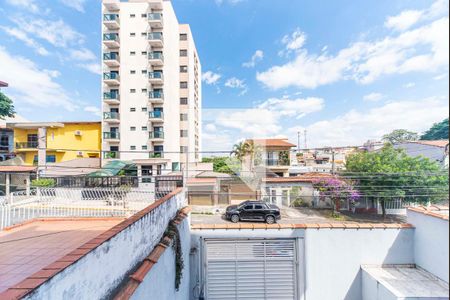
[(183, 117), (183, 53), (144, 109), (144, 128), (132, 148), (183, 85), (144, 147), (143, 15), (144, 34), (184, 101), (144, 71), (132, 72), (132, 109), (183, 133), (183, 37), (144, 91), (183, 69), (132, 91), (144, 53), (132, 34), (184, 149), (132, 53), (132, 128), (132, 16)]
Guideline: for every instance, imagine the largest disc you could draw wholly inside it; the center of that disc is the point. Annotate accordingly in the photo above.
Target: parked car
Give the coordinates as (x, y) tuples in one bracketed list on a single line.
[(253, 211)]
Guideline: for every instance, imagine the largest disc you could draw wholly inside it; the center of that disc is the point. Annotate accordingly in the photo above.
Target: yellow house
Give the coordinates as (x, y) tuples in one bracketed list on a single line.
[(56, 141)]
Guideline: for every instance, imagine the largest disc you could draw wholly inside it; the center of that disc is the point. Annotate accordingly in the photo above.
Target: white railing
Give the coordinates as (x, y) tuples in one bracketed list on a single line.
[(395, 207), (76, 202)]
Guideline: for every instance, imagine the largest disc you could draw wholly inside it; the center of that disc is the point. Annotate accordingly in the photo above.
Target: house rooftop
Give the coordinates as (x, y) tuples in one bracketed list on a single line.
[(3, 84), (438, 211), (437, 143), (35, 125), (273, 143), (31, 251), (407, 282)]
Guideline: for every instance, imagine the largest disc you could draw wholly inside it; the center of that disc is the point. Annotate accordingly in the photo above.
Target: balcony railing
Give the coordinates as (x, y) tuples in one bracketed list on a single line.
[(111, 76), (156, 75), (156, 115), (110, 17), (111, 116), (27, 145), (111, 96), (110, 56), (111, 135), (157, 36), (155, 17), (156, 95), (156, 155), (111, 155), (277, 163), (156, 135), (156, 55), (111, 37)]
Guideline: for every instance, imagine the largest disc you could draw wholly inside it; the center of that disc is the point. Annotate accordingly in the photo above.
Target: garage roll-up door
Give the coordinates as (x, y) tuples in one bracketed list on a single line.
[(251, 269)]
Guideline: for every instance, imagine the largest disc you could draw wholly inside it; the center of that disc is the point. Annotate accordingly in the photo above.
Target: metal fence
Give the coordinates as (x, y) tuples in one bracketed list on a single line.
[(79, 202)]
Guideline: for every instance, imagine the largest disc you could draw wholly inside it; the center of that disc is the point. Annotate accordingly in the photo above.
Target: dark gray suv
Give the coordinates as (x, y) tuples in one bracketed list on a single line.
[(253, 211)]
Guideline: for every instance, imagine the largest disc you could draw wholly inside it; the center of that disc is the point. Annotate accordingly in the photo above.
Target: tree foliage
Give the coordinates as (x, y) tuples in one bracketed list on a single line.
[(400, 135), (391, 174), (336, 190), (6, 107), (439, 131), (223, 164)]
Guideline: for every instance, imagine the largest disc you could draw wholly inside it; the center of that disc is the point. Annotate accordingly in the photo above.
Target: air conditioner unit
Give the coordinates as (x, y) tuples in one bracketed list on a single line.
[(78, 133), (80, 153)]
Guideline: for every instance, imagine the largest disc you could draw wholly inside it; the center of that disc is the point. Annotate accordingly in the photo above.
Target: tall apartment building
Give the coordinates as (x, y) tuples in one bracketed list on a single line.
[(151, 87)]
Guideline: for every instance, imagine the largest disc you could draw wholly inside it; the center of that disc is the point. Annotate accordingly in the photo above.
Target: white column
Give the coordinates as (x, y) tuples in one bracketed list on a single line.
[(42, 149)]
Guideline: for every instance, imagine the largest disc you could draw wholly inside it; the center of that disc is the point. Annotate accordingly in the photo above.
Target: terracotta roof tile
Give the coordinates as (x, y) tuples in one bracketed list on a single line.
[(273, 142), (437, 143)]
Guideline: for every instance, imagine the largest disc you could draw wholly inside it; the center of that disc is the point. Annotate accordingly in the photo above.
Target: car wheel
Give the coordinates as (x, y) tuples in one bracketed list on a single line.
[(234, 218), (270, 220)]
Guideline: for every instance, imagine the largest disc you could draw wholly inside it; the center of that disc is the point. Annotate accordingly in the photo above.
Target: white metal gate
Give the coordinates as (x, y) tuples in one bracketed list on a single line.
[(251, 269)]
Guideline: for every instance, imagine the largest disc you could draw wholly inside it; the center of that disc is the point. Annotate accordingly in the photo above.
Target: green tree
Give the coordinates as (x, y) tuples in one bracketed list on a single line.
[(400, 135), (223, 164), (439, 131), (391, 174), (6, 107)]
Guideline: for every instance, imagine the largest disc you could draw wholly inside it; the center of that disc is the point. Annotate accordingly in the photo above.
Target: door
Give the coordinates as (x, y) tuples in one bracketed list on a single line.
[(247, 213), (250, 269), (259, 212)]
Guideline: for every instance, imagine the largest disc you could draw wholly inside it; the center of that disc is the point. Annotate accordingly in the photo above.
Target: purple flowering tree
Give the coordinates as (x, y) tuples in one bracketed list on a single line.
[(336, 190)]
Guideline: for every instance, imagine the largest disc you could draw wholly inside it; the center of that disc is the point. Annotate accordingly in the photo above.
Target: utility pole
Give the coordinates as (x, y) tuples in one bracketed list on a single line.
[(333, 163), (306, 145), (298, 140)]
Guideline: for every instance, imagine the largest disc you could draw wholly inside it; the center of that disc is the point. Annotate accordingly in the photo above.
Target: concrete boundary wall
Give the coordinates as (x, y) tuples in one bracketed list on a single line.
[(113, 255)]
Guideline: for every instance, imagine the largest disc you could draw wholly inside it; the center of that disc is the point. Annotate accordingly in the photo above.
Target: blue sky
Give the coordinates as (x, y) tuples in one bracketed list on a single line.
[(346, 71)]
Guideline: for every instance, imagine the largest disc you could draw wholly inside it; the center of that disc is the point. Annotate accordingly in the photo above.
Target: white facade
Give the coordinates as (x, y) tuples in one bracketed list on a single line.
[(141, 86)]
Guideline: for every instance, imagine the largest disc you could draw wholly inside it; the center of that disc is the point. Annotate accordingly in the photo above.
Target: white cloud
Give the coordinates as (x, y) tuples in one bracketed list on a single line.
[(29, 5), (94, 110), (373, 97), (56, 33), (82, 54), (210, 127), (424, 49), (409, 85), (236, 83), (231, 2), (26, 39), (75, 4), (211, 78), (404, 20), (34, 86), (257, 57), (297, 108), (294, 41), (95, 68), (440, 77), (355, 127)]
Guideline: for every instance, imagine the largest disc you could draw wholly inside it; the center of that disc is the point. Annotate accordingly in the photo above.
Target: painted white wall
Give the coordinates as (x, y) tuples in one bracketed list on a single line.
[(431, 243), (372, 290), (332, 257), (99, 272), (160, 281)]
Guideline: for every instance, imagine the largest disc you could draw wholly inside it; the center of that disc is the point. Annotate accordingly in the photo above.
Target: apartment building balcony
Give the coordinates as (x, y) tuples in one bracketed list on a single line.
[(156, 77), (112, 5), (111, 40), (156, 58), (156, 116), (111, 136), (111, 21), (27, 146), (155, 20), (111, 59), (111, 155), (111, 78), (277, 163), (156, 39), (156, 136), (111, 117), (156, 154), (155, 4), (111, 97), (156, 97)]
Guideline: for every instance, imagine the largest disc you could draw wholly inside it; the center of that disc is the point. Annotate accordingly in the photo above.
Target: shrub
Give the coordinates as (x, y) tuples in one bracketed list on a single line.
[(43, 182)]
